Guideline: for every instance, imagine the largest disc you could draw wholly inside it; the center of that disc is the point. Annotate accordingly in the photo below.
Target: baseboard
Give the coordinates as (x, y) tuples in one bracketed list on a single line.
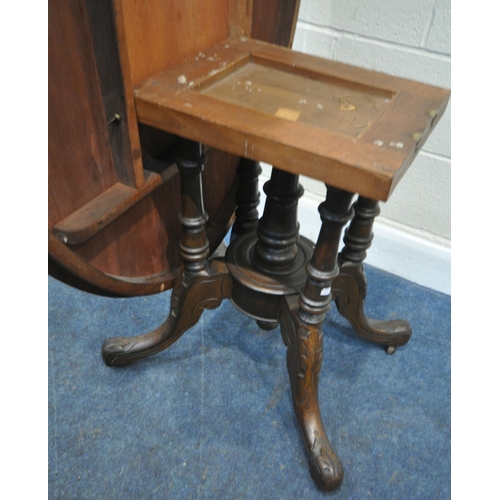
[(393, 249)]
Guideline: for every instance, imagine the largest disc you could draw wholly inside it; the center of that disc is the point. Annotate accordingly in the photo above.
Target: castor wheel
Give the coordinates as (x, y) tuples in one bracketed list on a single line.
[(390, 349)]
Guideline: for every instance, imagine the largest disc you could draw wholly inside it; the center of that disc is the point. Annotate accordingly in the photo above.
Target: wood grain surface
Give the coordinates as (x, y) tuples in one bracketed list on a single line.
[(352, 128), (121, 238)]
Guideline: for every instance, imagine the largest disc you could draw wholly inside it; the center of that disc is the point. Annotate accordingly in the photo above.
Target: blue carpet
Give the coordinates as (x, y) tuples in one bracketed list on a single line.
[(212, 418)]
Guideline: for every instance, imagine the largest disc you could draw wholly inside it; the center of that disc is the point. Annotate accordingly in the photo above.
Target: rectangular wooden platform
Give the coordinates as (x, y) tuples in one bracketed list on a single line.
[(351, 128)]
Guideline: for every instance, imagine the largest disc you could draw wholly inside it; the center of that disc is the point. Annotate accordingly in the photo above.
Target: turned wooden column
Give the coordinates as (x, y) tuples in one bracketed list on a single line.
[(359, 235), (194, 246), (278, 228), (269, 264), (315, 297), (247, 198)]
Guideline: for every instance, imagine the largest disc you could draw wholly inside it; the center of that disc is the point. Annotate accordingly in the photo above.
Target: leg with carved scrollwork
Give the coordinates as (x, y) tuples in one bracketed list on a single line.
[(350, 286), (203, 284), (301, 320)]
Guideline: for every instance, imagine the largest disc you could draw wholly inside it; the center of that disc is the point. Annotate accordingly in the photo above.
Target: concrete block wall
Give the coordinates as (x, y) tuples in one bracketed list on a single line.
[(409, 39)]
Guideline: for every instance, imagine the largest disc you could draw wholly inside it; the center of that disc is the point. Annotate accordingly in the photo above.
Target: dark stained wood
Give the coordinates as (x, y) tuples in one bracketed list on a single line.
[(80, 161), (257, 292), (123, 131), (247, 198), (190, 297), (202, 286), (304, 358), (296, 295), (121, 40), (349, 287), (274, 21), (278, 228), (193, 244), (315, 297)]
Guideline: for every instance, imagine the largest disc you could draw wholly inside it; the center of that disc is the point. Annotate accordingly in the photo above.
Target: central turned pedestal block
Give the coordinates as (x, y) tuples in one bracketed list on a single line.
[(269, 263), (257, 293)]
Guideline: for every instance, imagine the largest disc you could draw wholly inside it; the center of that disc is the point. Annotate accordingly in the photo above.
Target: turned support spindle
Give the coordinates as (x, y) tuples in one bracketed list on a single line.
[(194, 245), (359, 235), (247, 198), (315, 297), (278, 229)]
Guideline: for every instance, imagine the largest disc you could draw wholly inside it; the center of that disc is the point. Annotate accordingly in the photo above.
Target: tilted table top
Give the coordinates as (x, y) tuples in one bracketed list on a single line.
[(352, 128)]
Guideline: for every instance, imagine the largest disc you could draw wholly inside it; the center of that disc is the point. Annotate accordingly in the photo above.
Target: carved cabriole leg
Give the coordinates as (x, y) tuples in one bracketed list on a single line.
[(203, 285), (247, 198), (349, 288), (301, 320)]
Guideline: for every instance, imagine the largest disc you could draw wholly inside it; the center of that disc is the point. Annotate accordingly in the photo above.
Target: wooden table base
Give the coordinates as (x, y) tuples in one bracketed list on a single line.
[(277, 277)]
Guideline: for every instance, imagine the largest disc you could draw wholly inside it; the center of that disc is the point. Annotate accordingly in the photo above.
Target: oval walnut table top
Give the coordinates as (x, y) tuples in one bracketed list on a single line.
[(114, 189)]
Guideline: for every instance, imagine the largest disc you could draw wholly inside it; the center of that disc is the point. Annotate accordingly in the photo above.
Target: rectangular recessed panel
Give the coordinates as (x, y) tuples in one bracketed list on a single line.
[(349, 127), (337, 105)]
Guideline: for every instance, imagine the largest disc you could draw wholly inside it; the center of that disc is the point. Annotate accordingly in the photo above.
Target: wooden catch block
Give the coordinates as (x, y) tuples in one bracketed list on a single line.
[(352, 128), (100, 212)]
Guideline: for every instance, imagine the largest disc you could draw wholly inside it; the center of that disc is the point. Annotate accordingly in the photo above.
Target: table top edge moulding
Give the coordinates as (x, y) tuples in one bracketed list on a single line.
[(355, 129)]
